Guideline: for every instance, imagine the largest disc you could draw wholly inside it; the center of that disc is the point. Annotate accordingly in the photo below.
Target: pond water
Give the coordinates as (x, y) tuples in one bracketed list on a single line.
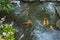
[(36, 13)]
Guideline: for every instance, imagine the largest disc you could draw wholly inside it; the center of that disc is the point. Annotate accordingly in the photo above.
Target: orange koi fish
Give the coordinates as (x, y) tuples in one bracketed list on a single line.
[(46, 21), (28, 23)]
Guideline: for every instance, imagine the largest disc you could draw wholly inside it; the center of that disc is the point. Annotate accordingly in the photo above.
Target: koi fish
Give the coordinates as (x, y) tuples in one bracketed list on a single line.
[(26, 13), (28, 23), (45, 22), (51, 27)]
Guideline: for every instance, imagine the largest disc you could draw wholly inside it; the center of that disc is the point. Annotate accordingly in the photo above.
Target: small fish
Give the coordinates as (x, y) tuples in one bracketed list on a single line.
[(46, 21), (26, 13), (28, 23), (51, 27)]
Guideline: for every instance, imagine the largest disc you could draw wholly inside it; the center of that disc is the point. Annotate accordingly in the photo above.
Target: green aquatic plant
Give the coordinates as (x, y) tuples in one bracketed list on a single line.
[(6, 6), (7, 31)]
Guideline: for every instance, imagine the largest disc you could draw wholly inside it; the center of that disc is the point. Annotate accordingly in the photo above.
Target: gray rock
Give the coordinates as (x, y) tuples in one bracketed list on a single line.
[(58, 23), (58, 9)]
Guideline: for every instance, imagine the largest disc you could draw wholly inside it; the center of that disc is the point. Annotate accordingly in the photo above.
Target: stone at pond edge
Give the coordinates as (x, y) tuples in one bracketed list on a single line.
[(58, 10), (58, 24)]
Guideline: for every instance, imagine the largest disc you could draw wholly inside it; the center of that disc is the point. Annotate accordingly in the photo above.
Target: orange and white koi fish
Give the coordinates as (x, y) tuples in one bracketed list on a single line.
[(51, 27)]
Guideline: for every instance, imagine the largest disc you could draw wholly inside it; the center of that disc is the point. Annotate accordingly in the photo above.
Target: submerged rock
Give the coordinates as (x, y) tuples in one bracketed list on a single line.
[(58, 24), (58, 10)]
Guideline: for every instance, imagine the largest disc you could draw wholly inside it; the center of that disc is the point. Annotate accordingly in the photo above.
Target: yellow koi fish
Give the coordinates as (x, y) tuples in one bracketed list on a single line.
[(26, 13)]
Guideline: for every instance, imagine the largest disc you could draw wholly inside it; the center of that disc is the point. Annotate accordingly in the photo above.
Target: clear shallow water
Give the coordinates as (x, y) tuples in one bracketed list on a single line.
[(37, 12)]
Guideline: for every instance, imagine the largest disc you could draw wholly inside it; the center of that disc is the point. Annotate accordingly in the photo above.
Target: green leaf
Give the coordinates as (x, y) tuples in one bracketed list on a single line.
[(9, 6), (6, 6), (3, 1), (6, 9)]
